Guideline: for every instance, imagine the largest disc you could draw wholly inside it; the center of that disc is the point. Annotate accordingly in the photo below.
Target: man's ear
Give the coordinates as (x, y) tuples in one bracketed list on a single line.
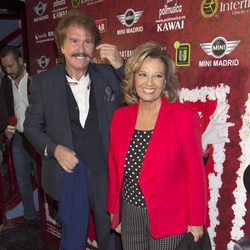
[(20, 60)]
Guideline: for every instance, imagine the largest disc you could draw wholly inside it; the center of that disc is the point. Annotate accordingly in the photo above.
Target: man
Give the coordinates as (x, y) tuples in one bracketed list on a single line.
[(15, 85), (69, 116)]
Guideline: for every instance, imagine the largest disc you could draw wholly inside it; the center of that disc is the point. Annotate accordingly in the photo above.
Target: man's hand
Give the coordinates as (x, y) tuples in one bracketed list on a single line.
[(110, 53), (197, 232), (217, 130), (66, 158), (9, 131)]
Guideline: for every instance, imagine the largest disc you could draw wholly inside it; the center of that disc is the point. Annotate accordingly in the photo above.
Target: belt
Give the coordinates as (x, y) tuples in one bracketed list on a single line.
[(18, 132)]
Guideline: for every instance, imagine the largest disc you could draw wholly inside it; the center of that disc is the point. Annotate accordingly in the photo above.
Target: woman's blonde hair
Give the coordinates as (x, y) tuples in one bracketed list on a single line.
[(133, 65)]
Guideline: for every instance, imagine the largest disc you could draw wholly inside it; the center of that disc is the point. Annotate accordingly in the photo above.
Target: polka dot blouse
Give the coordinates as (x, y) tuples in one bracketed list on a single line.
[(131, 191)]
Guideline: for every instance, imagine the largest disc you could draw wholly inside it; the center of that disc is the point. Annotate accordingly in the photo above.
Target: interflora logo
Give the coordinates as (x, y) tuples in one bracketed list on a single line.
[(75, 3), (209, 8)]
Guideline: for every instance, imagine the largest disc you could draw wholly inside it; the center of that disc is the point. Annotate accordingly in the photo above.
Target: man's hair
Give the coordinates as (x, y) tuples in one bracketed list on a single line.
[(75, 17), (134, 63), (10, 50)]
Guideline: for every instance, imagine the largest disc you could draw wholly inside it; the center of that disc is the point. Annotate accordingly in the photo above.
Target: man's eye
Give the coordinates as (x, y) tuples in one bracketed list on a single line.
[(89, 41), (73, 40)]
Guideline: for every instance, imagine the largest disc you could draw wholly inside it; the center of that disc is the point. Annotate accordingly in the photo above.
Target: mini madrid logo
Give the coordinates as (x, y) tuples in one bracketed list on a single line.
[(43, 62), (219, 47), (130, 17), (209, 8), (40, 8)]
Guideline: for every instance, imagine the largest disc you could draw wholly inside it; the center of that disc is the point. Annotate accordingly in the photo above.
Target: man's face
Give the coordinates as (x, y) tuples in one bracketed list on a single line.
[(78, 49), (12, 67)]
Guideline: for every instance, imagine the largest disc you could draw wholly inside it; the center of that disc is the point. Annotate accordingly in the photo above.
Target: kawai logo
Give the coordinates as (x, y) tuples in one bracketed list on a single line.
[(130, 17), (40, 8), (219, 47), (43, 62)]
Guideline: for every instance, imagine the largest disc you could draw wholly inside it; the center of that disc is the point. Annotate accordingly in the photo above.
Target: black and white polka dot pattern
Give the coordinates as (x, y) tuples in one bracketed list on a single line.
[(133, 163)]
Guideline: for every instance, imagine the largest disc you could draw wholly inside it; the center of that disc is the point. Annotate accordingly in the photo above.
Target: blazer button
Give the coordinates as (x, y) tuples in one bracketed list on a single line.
[(151, 180), (152, 196)]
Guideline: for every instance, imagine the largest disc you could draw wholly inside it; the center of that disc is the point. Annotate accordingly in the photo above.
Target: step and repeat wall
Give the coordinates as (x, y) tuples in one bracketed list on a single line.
[(209, 41)]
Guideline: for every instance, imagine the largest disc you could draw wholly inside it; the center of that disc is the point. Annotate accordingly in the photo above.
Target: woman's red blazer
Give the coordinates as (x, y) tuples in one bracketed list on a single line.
[(172, 177)]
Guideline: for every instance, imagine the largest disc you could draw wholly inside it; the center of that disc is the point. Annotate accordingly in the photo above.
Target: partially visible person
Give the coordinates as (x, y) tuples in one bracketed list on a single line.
[(3, 121), (156, 171), (15, 87), (68, 123), (216, 131)]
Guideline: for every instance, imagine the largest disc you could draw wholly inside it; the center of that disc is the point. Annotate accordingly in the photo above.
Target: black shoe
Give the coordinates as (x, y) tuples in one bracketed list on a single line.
[(28, 224)]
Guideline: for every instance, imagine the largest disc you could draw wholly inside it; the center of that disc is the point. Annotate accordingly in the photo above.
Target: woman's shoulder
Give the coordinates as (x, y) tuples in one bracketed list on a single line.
[(182, 109), (125, 110)]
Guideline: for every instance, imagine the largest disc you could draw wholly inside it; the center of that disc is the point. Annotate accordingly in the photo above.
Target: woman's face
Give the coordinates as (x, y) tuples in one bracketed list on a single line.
[(150, 80)]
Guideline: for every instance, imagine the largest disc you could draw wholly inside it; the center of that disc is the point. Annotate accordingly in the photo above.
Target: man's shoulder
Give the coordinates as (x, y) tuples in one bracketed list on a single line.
[(5, 80), (95, 67), (56, 70)]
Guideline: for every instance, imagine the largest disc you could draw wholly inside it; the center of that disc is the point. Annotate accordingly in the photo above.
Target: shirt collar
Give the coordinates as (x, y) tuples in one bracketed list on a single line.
[(72, 81)]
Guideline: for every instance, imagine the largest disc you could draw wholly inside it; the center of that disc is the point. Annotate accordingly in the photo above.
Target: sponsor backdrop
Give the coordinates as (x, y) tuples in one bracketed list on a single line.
[(209, 41)]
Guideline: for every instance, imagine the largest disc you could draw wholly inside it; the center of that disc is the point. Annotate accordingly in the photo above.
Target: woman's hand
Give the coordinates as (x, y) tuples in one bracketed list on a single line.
[(118, 228), (197, 232)]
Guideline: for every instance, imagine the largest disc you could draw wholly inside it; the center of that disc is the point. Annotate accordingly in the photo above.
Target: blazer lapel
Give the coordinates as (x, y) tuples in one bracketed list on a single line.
[(154, 146), (97, 83), (126, 133), (60, 98)]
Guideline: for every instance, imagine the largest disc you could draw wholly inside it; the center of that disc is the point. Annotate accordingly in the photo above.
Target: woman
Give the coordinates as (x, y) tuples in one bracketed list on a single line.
[(156, 170)]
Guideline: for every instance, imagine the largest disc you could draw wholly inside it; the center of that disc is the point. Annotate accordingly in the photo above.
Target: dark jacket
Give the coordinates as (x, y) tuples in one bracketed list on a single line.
[(3, 114), (47, 121), (8, 95), (3, 111)]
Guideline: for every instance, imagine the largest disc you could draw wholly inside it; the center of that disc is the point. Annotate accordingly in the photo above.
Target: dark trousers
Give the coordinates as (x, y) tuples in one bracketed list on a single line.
[(136, 233), (23, 161), (97, 192)]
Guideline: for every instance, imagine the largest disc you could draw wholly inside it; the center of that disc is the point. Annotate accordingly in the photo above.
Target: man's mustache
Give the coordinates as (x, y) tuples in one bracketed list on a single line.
[(81, 54)]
